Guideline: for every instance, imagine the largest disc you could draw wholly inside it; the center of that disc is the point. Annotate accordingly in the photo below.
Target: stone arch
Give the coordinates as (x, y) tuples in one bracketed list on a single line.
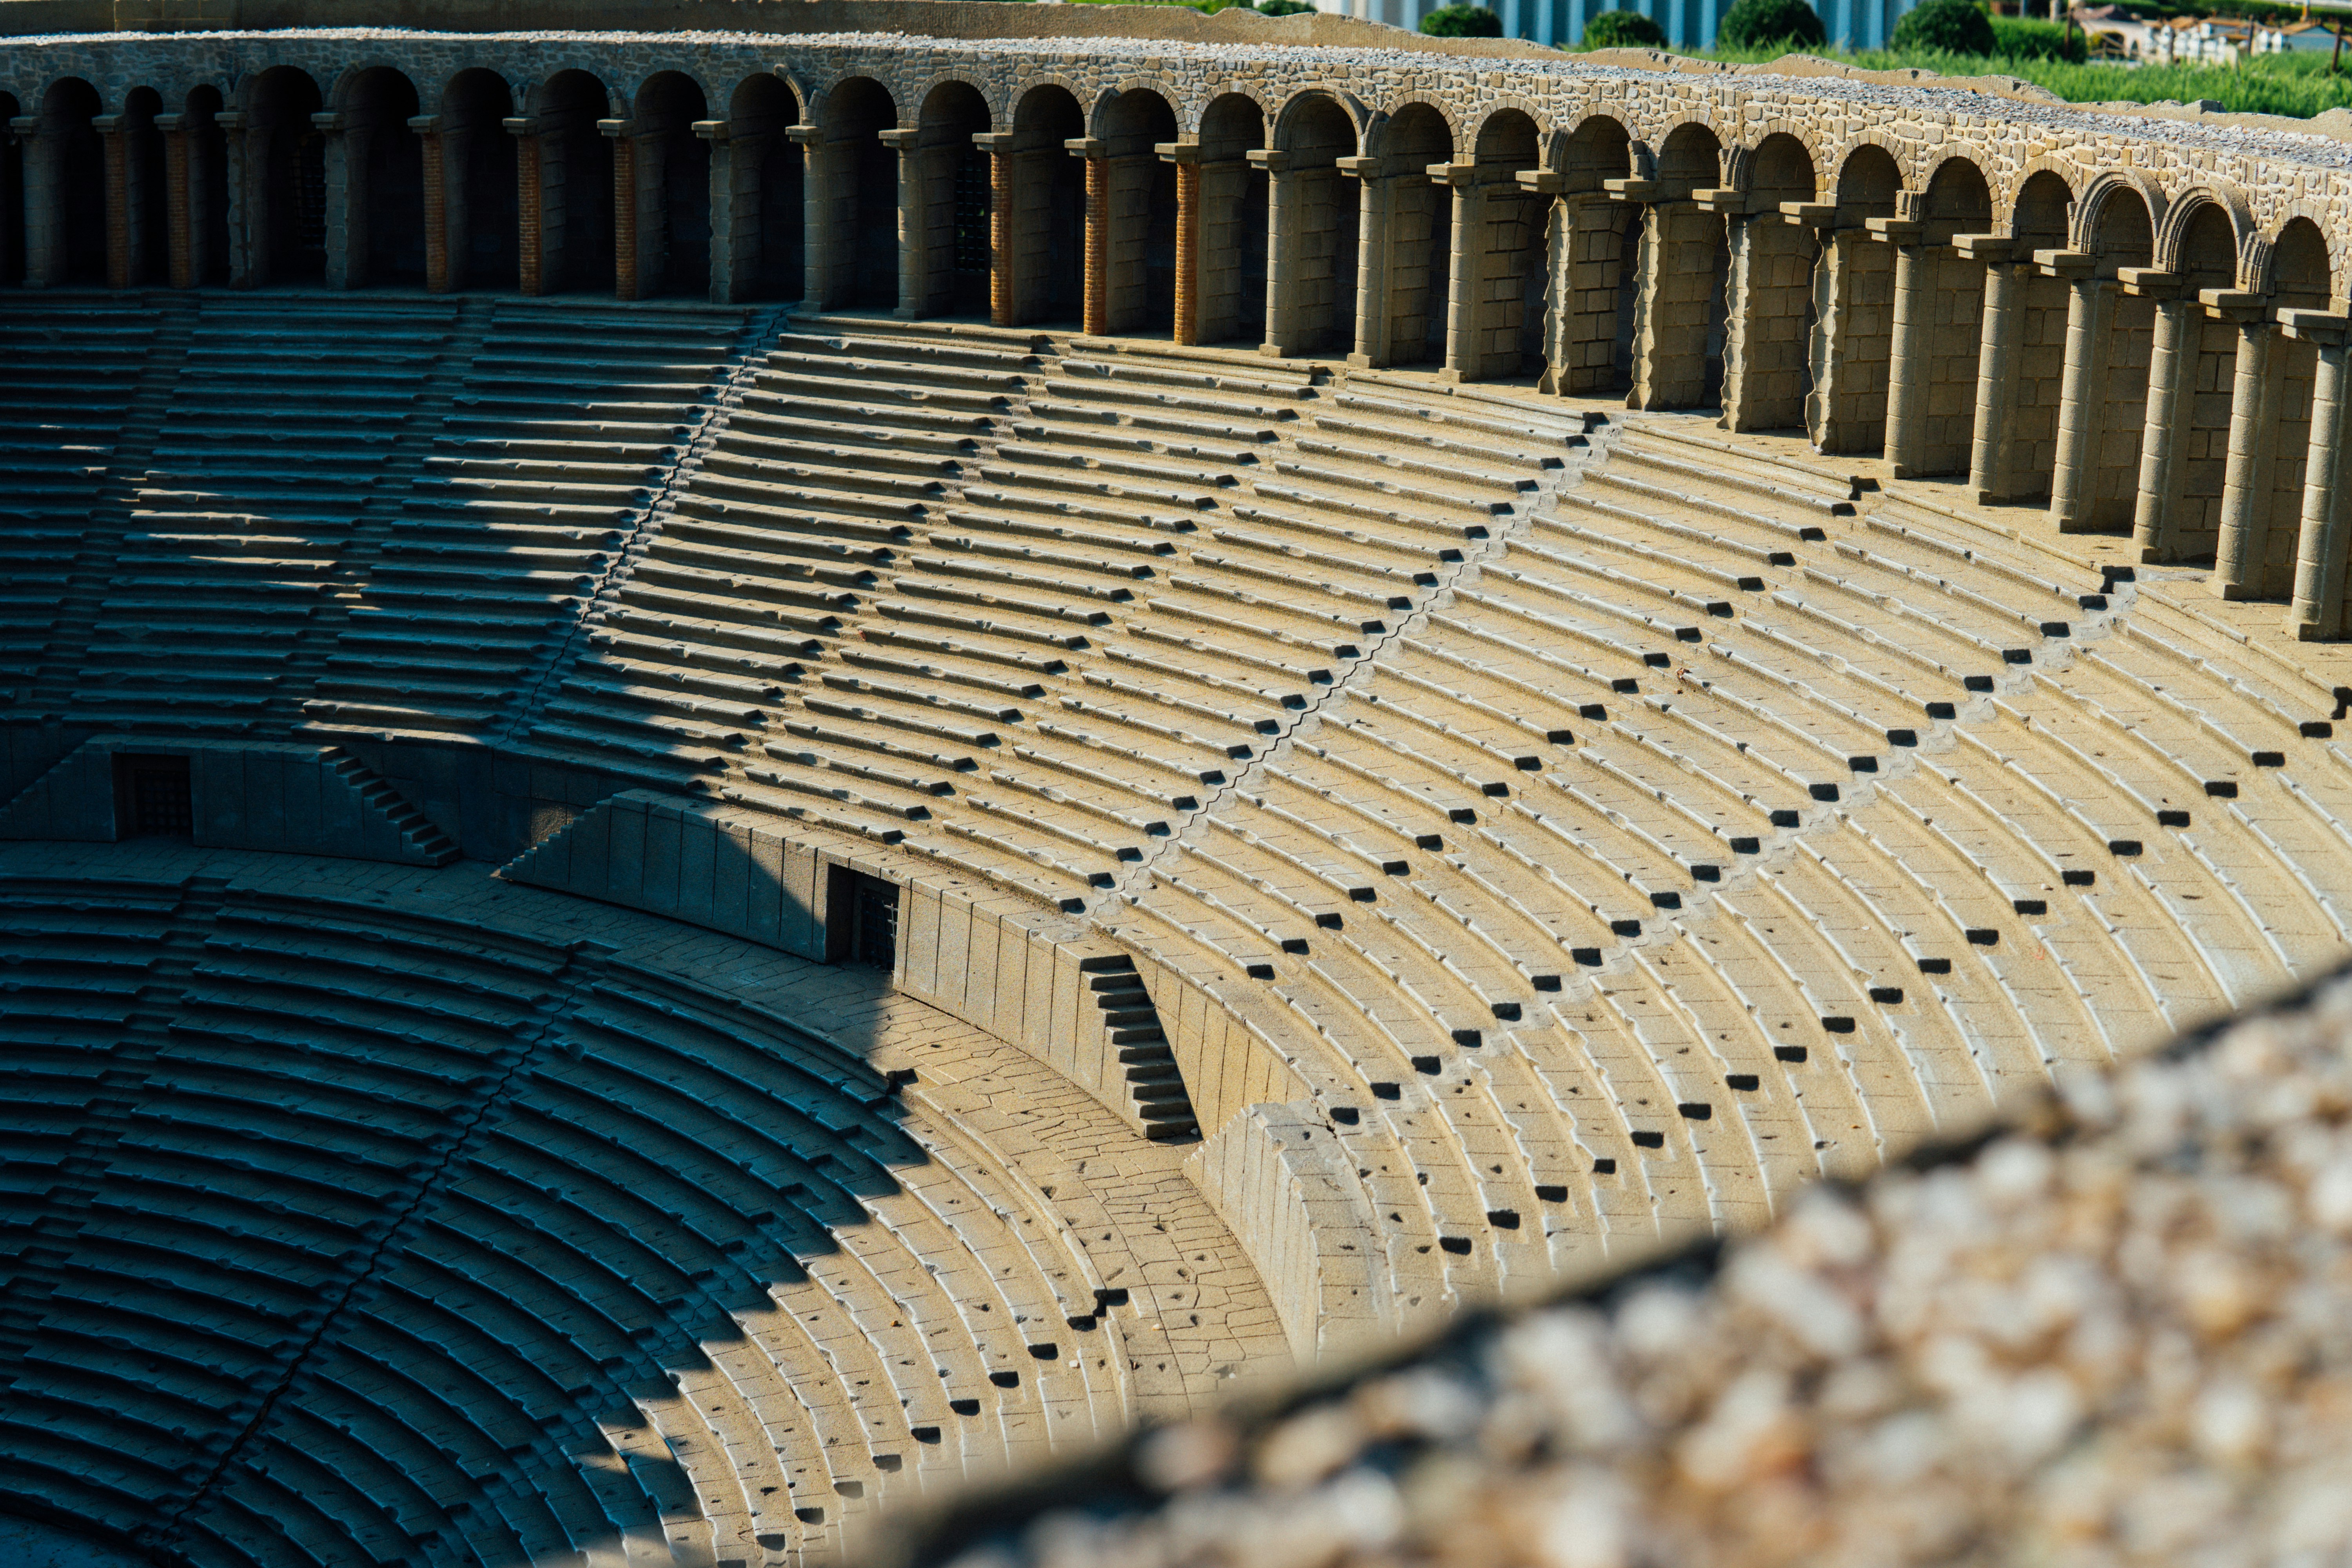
[(1599, 149), (2201, 206), (1498, 330), (1869, 184), (1681, 312), (480, 201), (1047, 218), (1768, 365), (376, 235), (1312, 286), (1416, 111), (65, 196), (146, 206), (12, 197), (2270, 431), (759, 195), (1229, 300), (1789, 147), (853, 258), (204, 231), (2115, 218), (667, 170), (2301, 271), (1407, 278), (1592, 324), (573, 192), (1139, 241), (945, 269), (2041, 212), (1939, 309), (285, 179), (1504, 105), (1107, 103)]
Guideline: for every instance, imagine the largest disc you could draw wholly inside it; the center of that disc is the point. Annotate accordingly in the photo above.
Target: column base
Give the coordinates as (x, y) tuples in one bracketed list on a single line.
[(2239, 593), (2310, 631), (1361, 362), (1451, 376), (1273, 351)]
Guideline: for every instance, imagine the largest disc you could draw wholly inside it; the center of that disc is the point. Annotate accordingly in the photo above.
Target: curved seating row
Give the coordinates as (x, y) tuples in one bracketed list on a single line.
[(344, 1208)]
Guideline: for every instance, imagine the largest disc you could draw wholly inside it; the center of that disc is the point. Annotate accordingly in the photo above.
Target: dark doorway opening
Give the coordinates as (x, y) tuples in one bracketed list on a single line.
[(151, 797), (861, 920)]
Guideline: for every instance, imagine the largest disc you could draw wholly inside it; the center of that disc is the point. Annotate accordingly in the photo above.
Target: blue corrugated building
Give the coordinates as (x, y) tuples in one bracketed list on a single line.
[(1690, 23)]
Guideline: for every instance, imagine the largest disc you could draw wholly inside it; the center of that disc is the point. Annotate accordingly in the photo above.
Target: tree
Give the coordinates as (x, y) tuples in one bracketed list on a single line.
[(1952, 26), (1761, 24), (1283, 7), (1462, 22), (1622, 30)]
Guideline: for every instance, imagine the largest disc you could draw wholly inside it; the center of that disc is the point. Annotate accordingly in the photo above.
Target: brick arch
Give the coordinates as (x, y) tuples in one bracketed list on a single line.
[(2331, 232), (1648, 143), (1431, 101), (812, 106), (1741, 156), (1905, 161), (1112, 91), (920, 89), (1191, 116), (1557, 146), (1348, 104), (2172, 231), (527, 96), (2091, 206), (637, 84), (339, 94), (1503, 103), (746, 78), (2006, 193), (803, 94)]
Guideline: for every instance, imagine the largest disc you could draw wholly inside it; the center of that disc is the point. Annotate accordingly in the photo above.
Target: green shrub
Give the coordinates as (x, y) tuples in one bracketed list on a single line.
[(1622, 30), (2028, 38), (1282, 7), (1462, 22), (1754, 24), (1953, 26)]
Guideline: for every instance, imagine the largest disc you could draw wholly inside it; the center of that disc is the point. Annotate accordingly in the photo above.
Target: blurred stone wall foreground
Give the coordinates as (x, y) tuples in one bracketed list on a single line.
[(2119, 1332)]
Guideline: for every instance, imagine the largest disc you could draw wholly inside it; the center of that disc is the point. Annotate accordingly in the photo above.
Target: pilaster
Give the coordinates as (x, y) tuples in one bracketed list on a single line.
[(2323, 537), (2081, 387), (2172, 383), (2242, 565)]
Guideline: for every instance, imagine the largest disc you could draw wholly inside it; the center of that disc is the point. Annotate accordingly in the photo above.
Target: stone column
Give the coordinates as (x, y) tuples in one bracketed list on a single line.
[(1908, 354), (1464, 239), (1375, 228), (820, 244), (914, 234), (1004, 283), (726, 287), (1095, 321), (2081, 387), (178, 211), (2323, 553), (1559, 241), (1281, 246), (1186, 157), (2241, 560), (45, 235), (437, 202), (628, 261), (1997, 364), (347, 245), (113, 139), (245, 260), (530, 207), (2171, 385)]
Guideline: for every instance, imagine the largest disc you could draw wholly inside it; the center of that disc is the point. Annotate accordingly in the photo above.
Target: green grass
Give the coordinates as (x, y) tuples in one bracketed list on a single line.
[(2296, 85)]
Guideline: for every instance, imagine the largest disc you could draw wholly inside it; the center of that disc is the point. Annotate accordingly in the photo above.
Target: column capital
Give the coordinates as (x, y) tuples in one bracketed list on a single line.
[(713, 130), (2149, 282), (2243, 306), (425, 124), (522, 125), (329, 121), (1810, 215), (2071, 265), (168, 123), (1086, 146), (1726, 199), (1985, 247), (1543, 182), (24, 125), (1633, 190), (1182, 151), (1273, 159), (1895, 230), (2327, 329), (108, 124), (805, 135), (230, 120), (617, 127), (1457, 172), (898, 138), (995, 140)]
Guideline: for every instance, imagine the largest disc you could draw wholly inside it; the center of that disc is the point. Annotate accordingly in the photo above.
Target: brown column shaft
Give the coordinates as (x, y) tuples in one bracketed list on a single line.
[(1187, 252), (626, 281), (1097, 282), (117, 204), (1002, 299), (176, 214), (531, 257), (436, 214)]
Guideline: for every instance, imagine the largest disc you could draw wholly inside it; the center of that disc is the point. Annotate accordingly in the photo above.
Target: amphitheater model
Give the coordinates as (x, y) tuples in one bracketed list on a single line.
[(746, 769)]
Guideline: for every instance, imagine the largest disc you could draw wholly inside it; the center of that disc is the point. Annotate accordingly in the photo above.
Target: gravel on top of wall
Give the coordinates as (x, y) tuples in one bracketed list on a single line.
[(2308, 148), (2119, 1332)]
